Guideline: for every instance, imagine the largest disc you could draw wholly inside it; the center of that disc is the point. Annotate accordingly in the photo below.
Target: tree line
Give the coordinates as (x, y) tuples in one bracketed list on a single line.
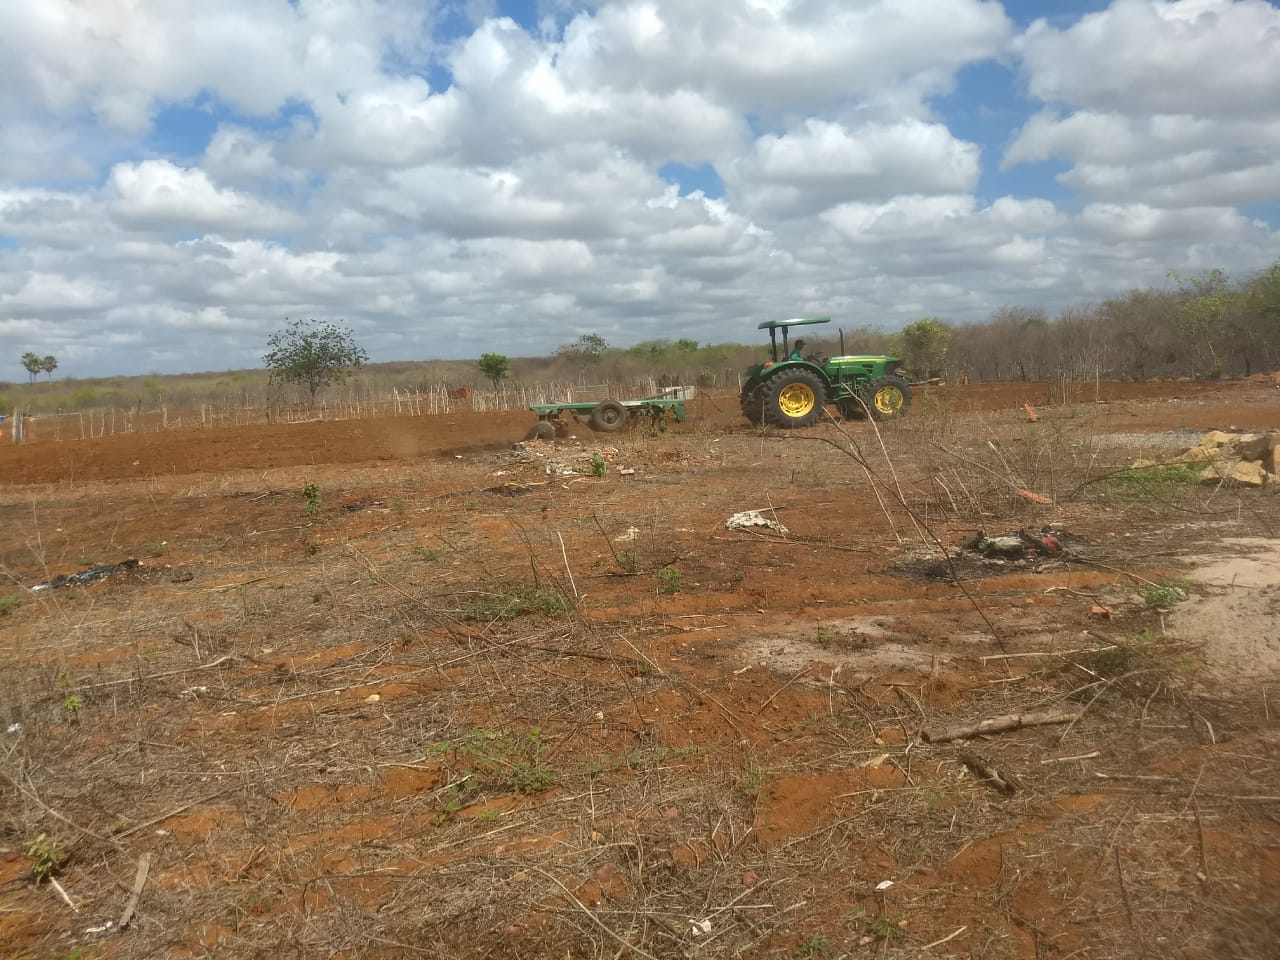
[(1203, 326)]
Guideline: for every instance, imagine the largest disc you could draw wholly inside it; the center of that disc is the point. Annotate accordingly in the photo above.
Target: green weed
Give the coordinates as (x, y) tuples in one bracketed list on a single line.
[(511, 762), (597, 465), (1139, 665), (1141, 483), (510, 603), (47, 858), (752, 781), (311, 498), (882, 928), (428, 553), (1164, 593), (670, 580), (9, 604), (816, 946), (73, 703)]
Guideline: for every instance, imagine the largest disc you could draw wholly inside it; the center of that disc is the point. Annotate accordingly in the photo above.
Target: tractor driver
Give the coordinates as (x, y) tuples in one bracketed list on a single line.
[(798, 352)]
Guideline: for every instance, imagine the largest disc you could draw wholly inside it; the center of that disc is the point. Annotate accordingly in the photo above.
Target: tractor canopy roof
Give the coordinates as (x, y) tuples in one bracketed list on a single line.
[(796, 322)]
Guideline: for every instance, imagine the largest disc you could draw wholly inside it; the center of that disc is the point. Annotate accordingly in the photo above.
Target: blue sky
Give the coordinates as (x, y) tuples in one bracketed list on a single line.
[(465, 176)]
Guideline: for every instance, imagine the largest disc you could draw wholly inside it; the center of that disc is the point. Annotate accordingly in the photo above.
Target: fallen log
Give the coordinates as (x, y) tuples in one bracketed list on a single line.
[(1005, 784), (996, 725)]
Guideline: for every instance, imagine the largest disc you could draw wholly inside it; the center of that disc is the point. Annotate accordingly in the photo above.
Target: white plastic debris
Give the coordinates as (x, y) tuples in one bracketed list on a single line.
[(753, 518), (194, 693), (883, 885), (13, 728), (700, 927)]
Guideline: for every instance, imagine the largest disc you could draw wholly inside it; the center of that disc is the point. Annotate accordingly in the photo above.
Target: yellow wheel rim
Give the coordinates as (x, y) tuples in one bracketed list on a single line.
[(796, 399), (888, 400)]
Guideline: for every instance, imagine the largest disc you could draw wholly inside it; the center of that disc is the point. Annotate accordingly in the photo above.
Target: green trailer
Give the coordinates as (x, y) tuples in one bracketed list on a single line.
[(608, 416)]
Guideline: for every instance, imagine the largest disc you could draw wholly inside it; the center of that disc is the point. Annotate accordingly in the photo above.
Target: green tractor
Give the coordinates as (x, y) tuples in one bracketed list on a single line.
[(791, 390)]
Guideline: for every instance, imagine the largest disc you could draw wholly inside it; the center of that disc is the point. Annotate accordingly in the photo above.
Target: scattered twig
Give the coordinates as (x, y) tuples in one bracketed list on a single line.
[(33, 796), (996, 725), (988, 773), (609, 543), (156, 676), (593, 918), (1204, 854), (165, 816), (567, 570), (139, 881), (1046, 653), (1079, 756), (797, 676), (1124, 897), (53, 882), (938, 943)]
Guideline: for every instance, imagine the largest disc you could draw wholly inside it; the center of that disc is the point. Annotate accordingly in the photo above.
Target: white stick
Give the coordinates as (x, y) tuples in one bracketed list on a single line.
[(63, 894), (1081, 756), (938, 943), (566, 566)]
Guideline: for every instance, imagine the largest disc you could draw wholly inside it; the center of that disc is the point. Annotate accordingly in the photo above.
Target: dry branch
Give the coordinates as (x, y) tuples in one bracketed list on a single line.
[(156, 676), (996, 725), (165, 816), (986, 772), (139, 881)]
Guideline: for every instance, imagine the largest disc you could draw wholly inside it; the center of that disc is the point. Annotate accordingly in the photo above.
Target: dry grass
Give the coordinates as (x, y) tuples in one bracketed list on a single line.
[(420, 727)]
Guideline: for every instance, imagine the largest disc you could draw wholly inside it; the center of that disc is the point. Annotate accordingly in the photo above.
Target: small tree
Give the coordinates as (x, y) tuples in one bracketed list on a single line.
[(312, 353), (49, 364), (34, 364), (925, 345), (586, 350), (495, 367)]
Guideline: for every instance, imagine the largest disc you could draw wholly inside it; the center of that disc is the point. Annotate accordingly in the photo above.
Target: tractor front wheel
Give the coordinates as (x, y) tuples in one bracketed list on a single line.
[(752, 406), (887, 398), (793, 398)]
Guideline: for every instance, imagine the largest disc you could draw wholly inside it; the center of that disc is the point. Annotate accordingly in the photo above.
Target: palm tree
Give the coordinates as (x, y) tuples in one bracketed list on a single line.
[(33, 363)]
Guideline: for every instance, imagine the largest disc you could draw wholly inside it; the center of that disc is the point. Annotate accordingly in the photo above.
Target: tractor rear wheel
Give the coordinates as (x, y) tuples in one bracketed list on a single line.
[(542, 430), (607, 416), (793, 398), (887, 397)]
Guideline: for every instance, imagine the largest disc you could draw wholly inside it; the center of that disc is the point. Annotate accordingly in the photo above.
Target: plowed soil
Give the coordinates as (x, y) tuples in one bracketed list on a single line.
[(394, 687)]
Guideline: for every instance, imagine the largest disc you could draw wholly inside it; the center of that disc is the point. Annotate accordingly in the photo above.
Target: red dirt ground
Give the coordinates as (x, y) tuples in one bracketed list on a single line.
[(584, 719), (1193, 404)]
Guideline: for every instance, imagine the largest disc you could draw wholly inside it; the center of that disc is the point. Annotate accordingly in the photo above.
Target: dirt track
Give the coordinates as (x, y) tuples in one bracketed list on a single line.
[(193, 451), (411, 721)]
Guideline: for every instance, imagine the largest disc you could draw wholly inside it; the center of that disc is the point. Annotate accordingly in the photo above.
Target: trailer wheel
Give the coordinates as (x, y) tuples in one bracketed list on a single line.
[(607, 416), (542, 430)]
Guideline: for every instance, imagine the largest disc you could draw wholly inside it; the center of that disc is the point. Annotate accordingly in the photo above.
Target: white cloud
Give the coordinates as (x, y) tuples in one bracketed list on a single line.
[(783, 56), (1169, 103), (822, 163), (156, 194), (125, 58), (1199, 57), (504, 188)]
